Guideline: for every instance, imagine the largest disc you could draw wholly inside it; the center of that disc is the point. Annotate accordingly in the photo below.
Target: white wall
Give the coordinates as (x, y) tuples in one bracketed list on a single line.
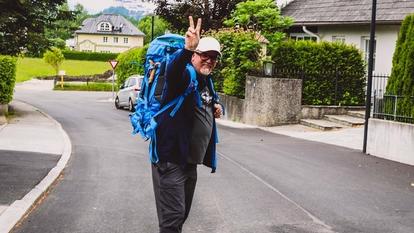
[(386, 36), (391, 140), (95, 43)]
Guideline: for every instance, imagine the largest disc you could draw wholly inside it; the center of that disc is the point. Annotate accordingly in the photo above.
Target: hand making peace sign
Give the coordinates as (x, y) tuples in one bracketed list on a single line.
[(192, 36)]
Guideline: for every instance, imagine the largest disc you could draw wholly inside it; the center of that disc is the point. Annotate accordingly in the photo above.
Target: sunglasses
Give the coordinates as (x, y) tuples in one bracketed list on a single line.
[(205, 56)]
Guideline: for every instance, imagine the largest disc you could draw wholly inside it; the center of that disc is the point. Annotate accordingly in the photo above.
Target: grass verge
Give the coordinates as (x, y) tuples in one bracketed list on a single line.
[(85, 87)]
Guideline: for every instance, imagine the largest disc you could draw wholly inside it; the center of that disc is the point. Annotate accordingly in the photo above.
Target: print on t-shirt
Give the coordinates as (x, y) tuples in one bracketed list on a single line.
[(206, 97)]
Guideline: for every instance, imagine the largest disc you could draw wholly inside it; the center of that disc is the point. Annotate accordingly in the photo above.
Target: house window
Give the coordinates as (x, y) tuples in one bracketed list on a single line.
[(105, 39), (365, 48), (104, 26), (115, 39), (340, 39), (125, 40), (303, 37)]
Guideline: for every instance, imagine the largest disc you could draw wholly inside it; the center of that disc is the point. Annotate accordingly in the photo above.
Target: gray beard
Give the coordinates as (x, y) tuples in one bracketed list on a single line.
[(205, 71)]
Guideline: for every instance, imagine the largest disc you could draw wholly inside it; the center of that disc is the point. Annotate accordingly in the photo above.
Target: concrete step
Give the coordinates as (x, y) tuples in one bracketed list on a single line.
[(345, 120), (320, 124), (358, 114)]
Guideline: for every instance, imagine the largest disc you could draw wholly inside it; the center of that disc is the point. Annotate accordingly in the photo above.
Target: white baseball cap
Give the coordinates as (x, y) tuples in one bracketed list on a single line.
[(208, 44)]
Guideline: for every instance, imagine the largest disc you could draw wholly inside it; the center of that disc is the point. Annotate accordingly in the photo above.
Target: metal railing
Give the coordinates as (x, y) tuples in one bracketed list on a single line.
[(394, 108), (391, 107), (379, 84)]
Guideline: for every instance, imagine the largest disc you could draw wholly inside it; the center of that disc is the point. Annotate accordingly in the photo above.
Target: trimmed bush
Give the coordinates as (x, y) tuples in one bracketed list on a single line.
[(7, 78), (240, 55), (89, 56), (332, 73), (129, 63), (401, 81)]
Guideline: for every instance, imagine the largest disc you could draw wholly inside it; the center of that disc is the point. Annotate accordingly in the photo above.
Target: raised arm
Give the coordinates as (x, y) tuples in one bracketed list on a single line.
[(181, 58)]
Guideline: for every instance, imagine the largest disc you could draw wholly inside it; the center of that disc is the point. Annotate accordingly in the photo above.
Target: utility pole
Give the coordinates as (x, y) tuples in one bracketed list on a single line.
[(152, 27), (370, 69)]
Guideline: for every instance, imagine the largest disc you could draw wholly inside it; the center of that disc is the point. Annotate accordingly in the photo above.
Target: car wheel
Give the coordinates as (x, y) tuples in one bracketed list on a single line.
[(117, 106), (131, 107)]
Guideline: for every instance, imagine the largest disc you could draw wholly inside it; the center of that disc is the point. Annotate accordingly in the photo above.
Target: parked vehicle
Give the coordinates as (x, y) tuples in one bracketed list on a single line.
[(128, 92)]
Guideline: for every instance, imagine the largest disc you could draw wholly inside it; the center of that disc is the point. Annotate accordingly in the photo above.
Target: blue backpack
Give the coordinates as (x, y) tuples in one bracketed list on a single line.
[(148, 106)]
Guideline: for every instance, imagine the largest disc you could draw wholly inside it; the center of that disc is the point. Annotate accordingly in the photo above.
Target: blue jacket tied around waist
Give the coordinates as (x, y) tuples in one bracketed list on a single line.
[(173, 134)]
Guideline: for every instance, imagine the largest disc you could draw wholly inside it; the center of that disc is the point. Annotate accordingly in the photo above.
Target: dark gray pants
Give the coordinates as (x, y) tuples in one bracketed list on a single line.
[(174, 190)]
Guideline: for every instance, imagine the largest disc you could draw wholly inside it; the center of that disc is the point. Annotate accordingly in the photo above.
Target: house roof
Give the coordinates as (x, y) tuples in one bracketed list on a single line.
[(90, 26), (323, 12)]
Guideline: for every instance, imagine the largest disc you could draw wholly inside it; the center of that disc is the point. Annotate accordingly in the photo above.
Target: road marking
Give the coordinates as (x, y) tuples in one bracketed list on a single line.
[(314, 218)]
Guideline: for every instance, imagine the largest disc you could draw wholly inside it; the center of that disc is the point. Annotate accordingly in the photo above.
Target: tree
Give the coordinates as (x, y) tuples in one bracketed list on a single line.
[(212, 12), (145, 25), (262, 16), (240, 56), (80, 14), (23, 23), (54, 57), (401, 81), (65, 25)]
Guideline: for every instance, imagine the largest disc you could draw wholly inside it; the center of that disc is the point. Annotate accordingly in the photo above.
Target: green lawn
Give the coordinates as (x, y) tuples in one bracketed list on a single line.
[(28, 68)]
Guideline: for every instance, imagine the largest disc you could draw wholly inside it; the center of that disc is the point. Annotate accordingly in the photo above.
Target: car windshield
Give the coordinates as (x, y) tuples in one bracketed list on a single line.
[(132, 82), (140, 82)]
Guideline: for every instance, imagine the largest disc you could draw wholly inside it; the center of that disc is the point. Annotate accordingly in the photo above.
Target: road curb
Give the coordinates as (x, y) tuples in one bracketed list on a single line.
[(18, 209), (3, 125)]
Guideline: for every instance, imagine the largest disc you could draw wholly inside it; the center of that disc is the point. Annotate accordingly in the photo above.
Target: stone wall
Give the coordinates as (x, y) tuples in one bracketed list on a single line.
[(391, 140), (81, 78), (317, 112), (234, 107), (272, 101)]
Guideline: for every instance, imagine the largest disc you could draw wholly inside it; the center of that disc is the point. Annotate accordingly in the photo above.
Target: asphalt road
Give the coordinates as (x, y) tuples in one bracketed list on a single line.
[(19, 171), (264, 183)]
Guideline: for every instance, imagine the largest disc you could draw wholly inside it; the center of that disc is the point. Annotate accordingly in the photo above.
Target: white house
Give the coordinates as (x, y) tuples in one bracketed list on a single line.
[(108, 33), (348, 21)]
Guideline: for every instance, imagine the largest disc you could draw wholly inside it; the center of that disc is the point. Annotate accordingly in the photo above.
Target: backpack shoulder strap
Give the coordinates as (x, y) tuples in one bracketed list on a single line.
[(193, 79), (192, 87)]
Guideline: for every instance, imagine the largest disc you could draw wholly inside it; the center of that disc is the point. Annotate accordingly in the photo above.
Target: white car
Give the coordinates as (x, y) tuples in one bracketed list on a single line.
[(128, 92)]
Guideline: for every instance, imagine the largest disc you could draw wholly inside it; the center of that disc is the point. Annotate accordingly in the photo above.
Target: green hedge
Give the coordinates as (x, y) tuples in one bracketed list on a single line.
[(89, 56), (333, 73), (129, 63), (7, 78)]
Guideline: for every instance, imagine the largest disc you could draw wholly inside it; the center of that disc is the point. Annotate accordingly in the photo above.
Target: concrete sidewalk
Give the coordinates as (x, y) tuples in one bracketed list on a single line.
[(34, 149), (347, 137)]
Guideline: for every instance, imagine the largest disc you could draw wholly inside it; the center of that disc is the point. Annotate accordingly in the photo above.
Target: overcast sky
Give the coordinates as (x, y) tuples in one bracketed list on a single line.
[(96, 6), (92, 6)]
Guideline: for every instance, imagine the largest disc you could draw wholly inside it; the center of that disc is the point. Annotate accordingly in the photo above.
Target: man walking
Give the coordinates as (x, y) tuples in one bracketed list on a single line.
[(189, 138)]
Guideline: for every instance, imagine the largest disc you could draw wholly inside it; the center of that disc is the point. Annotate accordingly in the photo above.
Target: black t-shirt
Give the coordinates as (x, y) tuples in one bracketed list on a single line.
[(202, 125)]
